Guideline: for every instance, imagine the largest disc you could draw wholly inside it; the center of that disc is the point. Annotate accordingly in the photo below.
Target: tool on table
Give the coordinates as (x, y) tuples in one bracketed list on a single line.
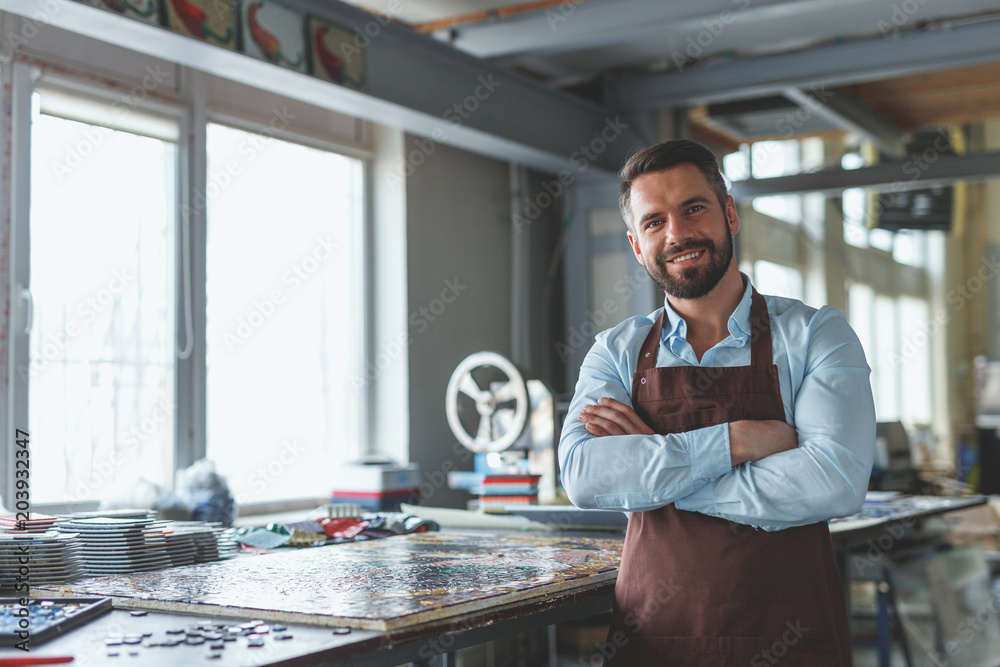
[(46, 618)]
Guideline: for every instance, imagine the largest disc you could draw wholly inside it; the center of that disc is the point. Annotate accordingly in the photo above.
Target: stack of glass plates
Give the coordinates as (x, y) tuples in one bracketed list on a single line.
[(119, 545), (210, 539), (36, 523), (53, 557)]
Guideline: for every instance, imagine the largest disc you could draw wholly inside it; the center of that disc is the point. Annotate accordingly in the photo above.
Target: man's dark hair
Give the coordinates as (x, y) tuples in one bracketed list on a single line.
[(664, 156)]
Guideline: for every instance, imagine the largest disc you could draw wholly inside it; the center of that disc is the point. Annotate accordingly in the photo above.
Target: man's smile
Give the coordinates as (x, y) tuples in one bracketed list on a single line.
[(686, 257)]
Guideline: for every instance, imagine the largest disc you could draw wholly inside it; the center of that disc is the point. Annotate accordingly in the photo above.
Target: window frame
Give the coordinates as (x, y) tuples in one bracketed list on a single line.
[(191, 106)]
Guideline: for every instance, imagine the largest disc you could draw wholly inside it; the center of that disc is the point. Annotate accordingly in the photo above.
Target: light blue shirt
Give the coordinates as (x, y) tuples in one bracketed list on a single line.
[(827, 396)]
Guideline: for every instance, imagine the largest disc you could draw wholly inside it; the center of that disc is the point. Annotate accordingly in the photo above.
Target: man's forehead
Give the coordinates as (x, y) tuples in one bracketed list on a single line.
[(673, 185)]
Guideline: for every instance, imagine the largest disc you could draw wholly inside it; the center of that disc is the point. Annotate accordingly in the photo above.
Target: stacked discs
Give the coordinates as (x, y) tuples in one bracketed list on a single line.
[(39, 558), (36, 523), (211, 541), (120, 545)]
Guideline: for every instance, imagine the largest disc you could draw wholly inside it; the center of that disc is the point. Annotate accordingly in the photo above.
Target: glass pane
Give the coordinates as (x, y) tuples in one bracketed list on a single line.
[(775, 158), (885, 371), (860, 315), (855, 231), (910, 247), (771, 278), (913, 359), (735, 167), (782, 207), (881, 239), (282, 338), (101, 375)]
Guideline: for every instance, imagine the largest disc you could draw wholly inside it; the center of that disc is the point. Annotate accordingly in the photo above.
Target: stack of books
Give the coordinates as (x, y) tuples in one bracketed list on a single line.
[(498, 491)]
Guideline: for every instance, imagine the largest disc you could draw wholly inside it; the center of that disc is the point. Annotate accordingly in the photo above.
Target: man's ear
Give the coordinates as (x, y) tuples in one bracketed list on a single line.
[(635, 246), (732, 218)]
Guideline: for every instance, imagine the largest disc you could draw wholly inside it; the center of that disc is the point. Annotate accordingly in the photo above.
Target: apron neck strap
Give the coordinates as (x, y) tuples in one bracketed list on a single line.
[(760, 336)]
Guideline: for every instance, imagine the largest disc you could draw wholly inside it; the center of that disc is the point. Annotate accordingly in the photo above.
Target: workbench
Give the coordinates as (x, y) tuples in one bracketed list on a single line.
[(395, 643), (385, 602)]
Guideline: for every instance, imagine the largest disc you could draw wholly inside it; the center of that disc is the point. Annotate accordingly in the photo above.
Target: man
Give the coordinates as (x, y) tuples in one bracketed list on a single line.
[(731, 426)]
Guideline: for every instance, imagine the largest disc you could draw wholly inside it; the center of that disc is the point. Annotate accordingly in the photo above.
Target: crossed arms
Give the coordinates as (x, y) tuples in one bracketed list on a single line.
[(763, 473)]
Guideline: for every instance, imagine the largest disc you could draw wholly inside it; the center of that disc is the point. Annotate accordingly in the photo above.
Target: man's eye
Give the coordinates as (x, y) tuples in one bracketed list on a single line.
[(695, 209), (653, 223)]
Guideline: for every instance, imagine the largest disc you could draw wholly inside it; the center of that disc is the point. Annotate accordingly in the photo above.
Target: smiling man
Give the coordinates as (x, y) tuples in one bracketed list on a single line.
[(731, 426)]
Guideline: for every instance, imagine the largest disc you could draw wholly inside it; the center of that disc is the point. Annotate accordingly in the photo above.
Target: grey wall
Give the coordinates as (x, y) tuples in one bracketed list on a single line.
[(459, 241)]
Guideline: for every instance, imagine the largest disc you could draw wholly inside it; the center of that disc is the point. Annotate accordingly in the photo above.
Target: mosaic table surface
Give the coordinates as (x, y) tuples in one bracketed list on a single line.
[(374, 585)]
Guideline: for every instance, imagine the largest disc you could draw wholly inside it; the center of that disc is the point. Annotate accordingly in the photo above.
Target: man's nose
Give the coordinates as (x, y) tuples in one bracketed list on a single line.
[(676, 231)]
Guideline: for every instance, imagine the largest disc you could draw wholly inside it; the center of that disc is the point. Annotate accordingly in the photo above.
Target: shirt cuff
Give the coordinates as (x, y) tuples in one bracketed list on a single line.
[(709, 451)]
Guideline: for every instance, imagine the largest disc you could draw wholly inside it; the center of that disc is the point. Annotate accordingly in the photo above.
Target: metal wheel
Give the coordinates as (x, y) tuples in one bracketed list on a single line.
[(487, 403)]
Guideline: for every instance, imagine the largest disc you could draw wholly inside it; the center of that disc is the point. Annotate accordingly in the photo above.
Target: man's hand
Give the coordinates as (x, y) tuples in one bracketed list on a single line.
[(610, 417), (752, 440)]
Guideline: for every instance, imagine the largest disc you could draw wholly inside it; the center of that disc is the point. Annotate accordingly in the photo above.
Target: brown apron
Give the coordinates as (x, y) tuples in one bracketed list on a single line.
[(700, 591)]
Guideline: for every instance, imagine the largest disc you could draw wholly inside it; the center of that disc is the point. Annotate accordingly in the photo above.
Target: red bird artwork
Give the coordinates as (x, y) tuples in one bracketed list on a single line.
[(331, 63), (196, 22), (266, 41)]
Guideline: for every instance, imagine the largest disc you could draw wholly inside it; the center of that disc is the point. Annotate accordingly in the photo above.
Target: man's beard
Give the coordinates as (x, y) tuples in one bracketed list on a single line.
[(697, 281)]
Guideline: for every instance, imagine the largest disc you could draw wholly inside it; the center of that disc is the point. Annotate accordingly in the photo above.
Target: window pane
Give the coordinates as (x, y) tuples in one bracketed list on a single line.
[(771, 278), (101, 375), (855, 230), (782, 207), (913, 359), (282, 335), (735, 167), (881, 239), (910, 247), (884, 369)]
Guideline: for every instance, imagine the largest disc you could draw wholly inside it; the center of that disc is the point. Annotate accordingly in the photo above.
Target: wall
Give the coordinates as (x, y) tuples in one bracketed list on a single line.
[(459, 255)]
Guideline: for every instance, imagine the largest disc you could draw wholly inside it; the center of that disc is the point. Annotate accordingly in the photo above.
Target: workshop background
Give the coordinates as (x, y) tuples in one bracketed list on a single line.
[(267, 233)]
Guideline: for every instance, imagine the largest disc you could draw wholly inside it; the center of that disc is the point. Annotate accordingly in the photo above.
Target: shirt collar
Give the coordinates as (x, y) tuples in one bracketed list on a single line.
[(675, 328)]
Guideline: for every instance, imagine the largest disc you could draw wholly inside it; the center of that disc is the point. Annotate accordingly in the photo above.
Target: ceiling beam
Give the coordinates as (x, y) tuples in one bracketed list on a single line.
[(849, 62), (929, 169), (414, 83), (843, 110), (575, 26)]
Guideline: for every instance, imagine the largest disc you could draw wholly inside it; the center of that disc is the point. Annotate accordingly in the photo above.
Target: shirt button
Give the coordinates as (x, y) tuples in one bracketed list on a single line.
[(712, 479), (656, 499), (642, 380), (647, 354)]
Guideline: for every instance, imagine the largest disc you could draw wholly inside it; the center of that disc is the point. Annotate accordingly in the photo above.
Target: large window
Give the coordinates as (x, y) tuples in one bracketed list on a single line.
[(894, 333), (282, 333), (101, 351), (137, 227)]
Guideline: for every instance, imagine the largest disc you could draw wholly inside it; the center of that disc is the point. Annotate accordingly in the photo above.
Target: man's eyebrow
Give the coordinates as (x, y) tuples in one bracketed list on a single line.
[(694, 200), (649, 216)]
